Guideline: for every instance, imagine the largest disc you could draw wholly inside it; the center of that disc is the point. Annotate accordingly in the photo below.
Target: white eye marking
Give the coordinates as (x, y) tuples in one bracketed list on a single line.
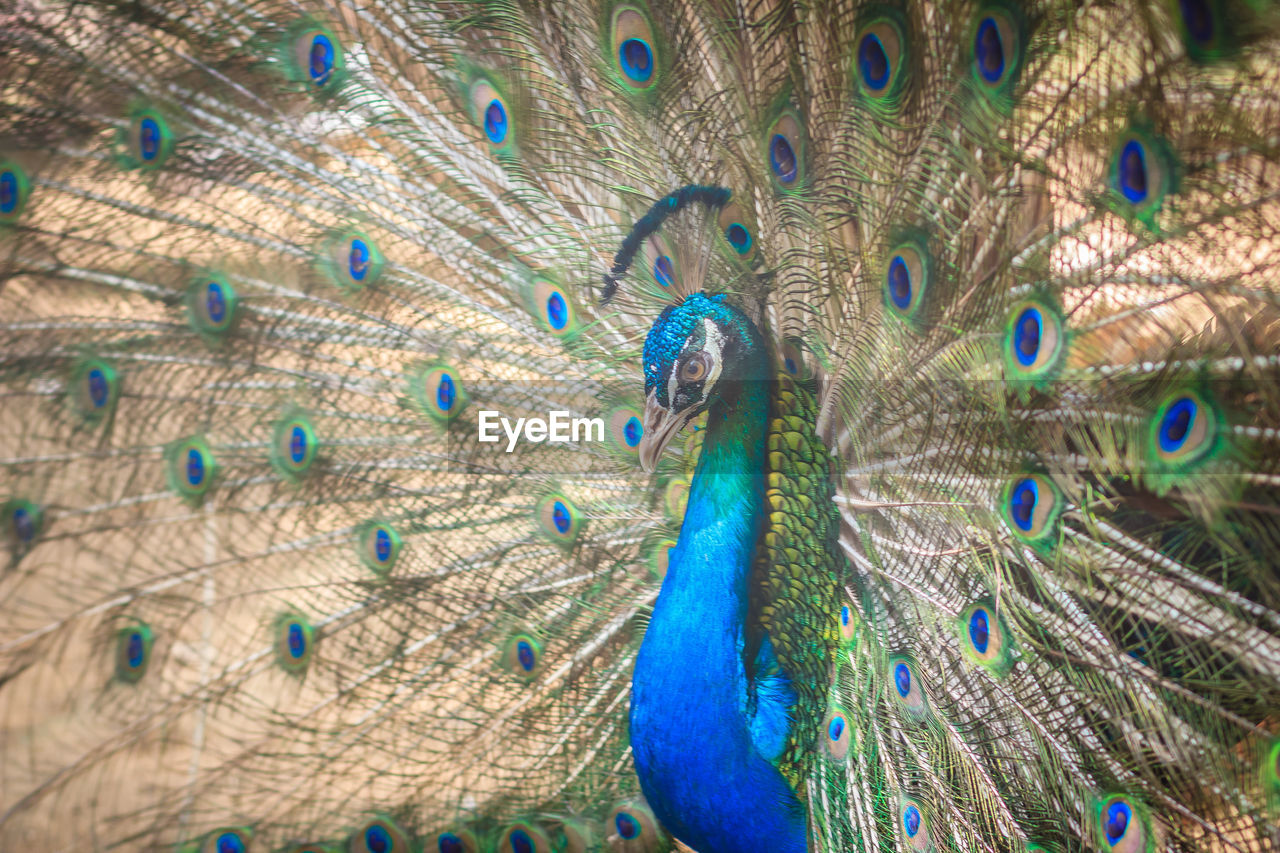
[(714, 347)]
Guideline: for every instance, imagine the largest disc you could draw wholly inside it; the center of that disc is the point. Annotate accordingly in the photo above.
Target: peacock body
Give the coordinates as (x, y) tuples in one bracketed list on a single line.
[(934, 352)]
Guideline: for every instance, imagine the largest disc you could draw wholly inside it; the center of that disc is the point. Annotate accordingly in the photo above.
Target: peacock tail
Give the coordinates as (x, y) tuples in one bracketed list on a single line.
[(1009, 547)]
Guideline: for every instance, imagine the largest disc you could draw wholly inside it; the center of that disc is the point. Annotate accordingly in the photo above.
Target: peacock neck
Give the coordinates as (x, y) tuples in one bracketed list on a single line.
[(710, 568), (691, 714)]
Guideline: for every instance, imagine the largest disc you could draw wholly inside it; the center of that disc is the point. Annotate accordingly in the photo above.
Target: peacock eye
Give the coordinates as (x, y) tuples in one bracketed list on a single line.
[(695, 368)]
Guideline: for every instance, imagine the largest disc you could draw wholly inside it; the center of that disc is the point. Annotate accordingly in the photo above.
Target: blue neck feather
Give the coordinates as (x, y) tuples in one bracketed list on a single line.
[(693, 709)]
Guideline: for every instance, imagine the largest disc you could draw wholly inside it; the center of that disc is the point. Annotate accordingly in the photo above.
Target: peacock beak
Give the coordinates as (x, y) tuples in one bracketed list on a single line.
[(660, 426)]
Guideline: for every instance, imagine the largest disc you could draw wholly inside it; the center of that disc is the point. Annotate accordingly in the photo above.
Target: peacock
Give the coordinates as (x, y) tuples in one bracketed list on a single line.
[(504, 426)]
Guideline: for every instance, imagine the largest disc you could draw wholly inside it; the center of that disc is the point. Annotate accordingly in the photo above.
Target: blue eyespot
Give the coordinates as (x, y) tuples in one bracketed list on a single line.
[(844, 614), (906, 280), (557, 311), (9, 192), (195, 467), (135, 649), (1022, 503), (320, 59), (377, 839), (450, 843), (524, 653), (1026, 336), (23, 525), (739, 238), (909, 688), (980, 630), (911, 821), (1177, 424), (1197, 16), (520, 841), (633, 44), (358, 259), (1117, 821), (378, 546), (190, 468), (560, 517), (1183, 432), (899, 282), (446, 393), (215, 302), (902, 679), (835, 729), (495, 122), (297, 444), (636, 58), (230, 842), (628, 827), (989, 50), (99, 389), (663, 271), (297, 640), (873, 62), (521, 655), (633, 432), (1132, 173), (149, 139), (782, 157)]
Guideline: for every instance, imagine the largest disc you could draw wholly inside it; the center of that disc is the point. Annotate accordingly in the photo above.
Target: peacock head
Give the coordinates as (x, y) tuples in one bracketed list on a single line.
[(697, 350)]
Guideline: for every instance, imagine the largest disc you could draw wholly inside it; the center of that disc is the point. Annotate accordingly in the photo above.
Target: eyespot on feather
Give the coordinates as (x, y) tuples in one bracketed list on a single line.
[(632, 828), (835, 733), (15, 188), (913, 825), (635, 53), (1122, 826), (190, 467), (456, 840), (552, 305), (23, 524), (212, 305), (624, 427), (1034, 345), (879, 60), (94, 389), (983, 637), (351, 260), (785, 151), (378, 546), (738, 228), (1031, 506), (998, 42), (228, 839), (559, 519), (438, 392), (147, 142), (492, 114), (294, 642), (1143, 174), (906, 687), (313, 57), (379, 835), (293, 445), (907, 277), (133, 652), (523, 837)]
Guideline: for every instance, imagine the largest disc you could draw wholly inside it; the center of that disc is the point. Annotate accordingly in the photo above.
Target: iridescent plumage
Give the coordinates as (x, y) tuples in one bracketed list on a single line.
[(920, 486)]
